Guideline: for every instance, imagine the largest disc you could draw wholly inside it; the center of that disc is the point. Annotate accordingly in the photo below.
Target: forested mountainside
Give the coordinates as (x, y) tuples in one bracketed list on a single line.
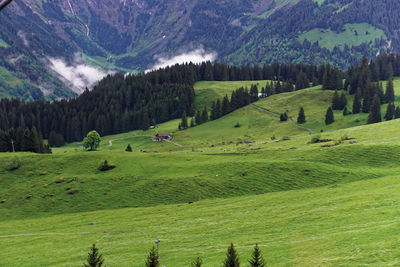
[(132, 35)]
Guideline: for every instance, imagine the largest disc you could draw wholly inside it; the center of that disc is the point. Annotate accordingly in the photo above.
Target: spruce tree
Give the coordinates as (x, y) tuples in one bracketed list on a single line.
[(283, 117), (94, 259), (343, 101), (225, 106), (397, 113), (232, 257), (366, 105), (345, 111), (184, 123), (198, 118), (336, 105), (375, 113), (329, 118), (152, 259), (390, 110), (357, 102), (389, 94), (204, 115), (128, 148), (257, 259), (197, 263), (192, 122), (302, 117)]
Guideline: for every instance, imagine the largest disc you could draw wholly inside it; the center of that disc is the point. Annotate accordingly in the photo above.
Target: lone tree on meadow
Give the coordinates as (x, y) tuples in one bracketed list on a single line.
[(375, 113), (94, 258), (152, 259), (232, 257), (257, 260), (329, 118), (128, 148), (92, 141), (284, 117), (302, 117)]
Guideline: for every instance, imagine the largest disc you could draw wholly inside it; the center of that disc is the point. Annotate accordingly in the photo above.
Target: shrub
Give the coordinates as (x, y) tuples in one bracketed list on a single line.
[(197, 263), (15, 164), (315, 139), (105, 166), (94, 259), (237, 125), (273, 137)]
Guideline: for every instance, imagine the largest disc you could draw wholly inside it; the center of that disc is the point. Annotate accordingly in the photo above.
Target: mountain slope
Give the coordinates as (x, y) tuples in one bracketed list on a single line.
[(129, 35)]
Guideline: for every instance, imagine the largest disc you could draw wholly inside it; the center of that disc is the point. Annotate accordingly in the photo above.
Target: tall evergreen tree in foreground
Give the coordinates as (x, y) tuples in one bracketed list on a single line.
[(232, 257), (257, 260), (152, 259), (375, 113), (390, 110), (329, 118), (302, 117), (197, 263), (94, 258)]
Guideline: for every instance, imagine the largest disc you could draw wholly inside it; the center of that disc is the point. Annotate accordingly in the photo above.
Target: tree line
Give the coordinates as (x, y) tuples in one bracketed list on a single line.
[(121, 103), (23, 140), (95, 259)]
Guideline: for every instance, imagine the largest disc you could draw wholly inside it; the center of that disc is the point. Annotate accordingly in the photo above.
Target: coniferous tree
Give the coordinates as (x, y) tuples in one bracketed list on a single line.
[(390, 110), (389, 94), (197, 263), (225, 106), (375, 113), (232, 257), (343, 101), (204, 115), (184, 123), (365, 105), (198, 118), (302, 117), (283, 117), (302, 81), (128, 148), (357, 102), (329, 117), (192, 122), (253, 93), (397, 113), (257, 259), (94, 259), (336, 104), (218, 112), (345, 111), (152, 259)]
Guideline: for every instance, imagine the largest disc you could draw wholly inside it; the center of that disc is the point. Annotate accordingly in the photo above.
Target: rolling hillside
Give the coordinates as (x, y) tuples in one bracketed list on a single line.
[(126, 36), (330, 203)]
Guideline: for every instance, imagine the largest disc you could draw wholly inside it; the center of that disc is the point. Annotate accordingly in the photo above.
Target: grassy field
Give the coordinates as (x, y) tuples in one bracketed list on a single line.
[(322, 204), (353, 35)]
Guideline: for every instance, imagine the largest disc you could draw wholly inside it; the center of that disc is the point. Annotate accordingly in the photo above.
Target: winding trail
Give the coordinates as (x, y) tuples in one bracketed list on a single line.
[(311, 131)]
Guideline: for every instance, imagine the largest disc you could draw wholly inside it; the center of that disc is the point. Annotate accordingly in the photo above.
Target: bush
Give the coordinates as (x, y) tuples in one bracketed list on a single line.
[(315, 139), (273, 137), (15, 164), (105, 166), (237, 125)]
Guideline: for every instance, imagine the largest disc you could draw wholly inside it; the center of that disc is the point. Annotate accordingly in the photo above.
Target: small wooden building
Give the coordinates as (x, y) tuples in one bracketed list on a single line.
[(162, 137)]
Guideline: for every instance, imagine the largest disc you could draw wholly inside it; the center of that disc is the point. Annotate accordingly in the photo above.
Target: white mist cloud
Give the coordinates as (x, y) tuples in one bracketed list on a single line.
[(77, 75), (22, 35), (196, 56)]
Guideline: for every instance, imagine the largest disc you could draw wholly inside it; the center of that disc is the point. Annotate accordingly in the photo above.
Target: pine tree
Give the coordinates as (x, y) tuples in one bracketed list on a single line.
[(283, 117), (365, 105), (204, 115), (257, 259), (198, 118), (152, 259), (128, 148), (94, 259), (232, 257), (397, 113), (357, 102), (343, 101), (336, 105), (302, 117), (375, 113), (302, 81), (345, 111), (197, 263), (389, 94), (390, 112), (184, 123), (192, 122), (225, 106), (329, 118)]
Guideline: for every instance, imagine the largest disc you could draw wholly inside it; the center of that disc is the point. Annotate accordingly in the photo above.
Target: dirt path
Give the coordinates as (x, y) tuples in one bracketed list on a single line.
[(55, 234), (174, 143), (311, 131)]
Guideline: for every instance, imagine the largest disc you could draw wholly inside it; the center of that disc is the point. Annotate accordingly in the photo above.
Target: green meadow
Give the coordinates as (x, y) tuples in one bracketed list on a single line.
[(305, 204)]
